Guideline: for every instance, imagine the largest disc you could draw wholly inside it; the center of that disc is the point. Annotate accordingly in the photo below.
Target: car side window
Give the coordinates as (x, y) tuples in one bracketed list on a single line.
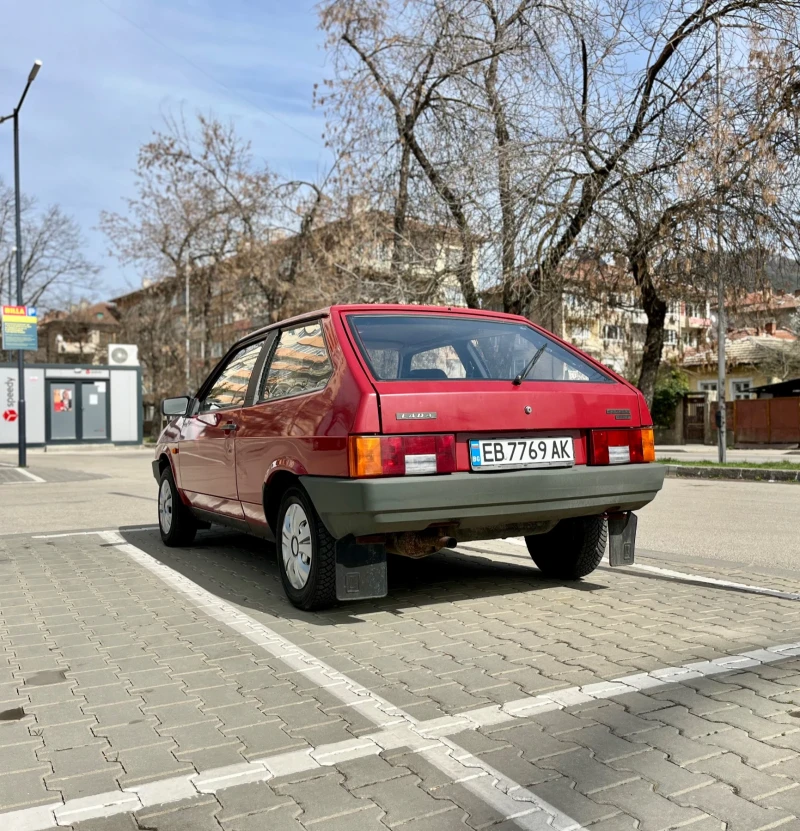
[(300, 363), (230, 388)]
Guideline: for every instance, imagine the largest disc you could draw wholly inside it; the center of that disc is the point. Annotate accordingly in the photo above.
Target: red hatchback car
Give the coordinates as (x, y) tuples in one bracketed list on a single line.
[(354, 431)]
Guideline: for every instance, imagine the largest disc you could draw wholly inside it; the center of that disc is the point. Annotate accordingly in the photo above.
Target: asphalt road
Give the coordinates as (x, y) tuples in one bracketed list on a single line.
[(750, 523)]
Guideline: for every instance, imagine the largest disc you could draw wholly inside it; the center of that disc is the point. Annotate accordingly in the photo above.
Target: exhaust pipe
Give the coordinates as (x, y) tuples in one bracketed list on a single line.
[(414, 545)]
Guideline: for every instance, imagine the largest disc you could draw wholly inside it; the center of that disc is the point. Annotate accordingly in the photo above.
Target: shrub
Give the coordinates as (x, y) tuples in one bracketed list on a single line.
[(671, 386)]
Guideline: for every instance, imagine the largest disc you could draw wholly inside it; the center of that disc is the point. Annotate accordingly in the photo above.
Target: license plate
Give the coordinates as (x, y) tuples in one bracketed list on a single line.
[(491, 454)]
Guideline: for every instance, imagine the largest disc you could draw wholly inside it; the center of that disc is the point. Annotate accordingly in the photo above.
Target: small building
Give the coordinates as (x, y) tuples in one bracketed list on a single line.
[(69, 404), (783, 389), (751, 361), (80, 335)]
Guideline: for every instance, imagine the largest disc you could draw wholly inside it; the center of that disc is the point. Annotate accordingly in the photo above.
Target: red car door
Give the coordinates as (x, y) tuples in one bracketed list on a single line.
[(292, 424), (207, 456)]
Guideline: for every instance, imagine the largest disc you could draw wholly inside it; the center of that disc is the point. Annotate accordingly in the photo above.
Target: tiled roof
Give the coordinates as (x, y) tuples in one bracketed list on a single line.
[(758, 301), (748, 349)]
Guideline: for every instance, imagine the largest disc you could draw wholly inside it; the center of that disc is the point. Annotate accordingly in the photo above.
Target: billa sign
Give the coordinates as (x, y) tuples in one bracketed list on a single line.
[(20, 329)]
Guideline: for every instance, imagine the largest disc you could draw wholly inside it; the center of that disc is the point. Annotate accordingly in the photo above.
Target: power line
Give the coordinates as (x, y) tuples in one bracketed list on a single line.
[(204, 72)]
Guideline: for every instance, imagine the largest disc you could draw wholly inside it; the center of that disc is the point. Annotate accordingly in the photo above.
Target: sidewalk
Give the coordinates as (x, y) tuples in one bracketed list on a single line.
[(699, 452)]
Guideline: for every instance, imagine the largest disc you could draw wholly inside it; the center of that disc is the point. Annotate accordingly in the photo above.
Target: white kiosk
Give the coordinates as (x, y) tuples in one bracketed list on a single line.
[(73, 404)]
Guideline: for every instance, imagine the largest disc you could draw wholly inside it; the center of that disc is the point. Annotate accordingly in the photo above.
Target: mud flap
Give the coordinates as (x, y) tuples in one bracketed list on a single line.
[(621, 538), (360, 570)]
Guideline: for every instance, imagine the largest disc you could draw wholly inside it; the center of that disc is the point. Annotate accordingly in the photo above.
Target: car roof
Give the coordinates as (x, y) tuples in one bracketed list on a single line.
[(380, 308)]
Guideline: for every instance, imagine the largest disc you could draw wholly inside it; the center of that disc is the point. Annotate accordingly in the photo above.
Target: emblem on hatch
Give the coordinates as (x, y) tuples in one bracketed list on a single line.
[(620, 415), (414, 416)]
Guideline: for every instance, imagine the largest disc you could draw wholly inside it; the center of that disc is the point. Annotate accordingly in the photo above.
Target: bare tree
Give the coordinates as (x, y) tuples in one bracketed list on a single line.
[(542, 95), (54, 264), (152, 325), (726, 173), (200, 200)]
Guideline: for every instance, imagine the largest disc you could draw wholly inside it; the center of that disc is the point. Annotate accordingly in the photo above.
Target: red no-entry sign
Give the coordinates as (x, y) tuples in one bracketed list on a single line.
[(10, 415)]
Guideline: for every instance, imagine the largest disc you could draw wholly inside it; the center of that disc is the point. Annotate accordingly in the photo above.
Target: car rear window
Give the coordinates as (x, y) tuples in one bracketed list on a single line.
[(427, 347)]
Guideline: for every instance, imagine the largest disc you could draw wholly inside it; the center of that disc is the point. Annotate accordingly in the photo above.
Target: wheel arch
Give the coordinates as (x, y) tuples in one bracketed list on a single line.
[(165, 462), (283, 474)]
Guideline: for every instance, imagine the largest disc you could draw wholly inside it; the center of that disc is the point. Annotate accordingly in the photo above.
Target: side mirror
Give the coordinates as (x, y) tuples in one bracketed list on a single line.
[(173, 407)]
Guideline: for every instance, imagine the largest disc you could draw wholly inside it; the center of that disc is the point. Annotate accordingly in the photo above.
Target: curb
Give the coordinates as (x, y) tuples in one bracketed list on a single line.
[(748, 474)]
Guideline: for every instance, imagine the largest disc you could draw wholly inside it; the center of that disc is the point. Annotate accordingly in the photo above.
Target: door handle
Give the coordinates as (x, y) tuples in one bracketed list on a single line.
[(230, 426)]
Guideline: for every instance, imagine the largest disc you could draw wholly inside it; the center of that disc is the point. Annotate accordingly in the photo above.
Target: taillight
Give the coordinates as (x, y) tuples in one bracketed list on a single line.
[(401, 455), (621, 447)]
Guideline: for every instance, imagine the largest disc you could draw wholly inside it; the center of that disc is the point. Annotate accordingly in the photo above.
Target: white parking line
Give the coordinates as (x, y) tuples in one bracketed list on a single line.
[(695, 578), (713, 581), (32, 476), (518, 803), (427, 738), (89, 533), (396, 728)]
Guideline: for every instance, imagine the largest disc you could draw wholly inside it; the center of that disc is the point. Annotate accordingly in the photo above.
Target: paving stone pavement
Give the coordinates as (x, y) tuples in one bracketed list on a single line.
[(114, 684)]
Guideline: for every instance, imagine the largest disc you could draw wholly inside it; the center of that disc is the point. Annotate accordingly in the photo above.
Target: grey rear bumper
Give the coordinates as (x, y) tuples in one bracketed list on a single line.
[(478, 500)]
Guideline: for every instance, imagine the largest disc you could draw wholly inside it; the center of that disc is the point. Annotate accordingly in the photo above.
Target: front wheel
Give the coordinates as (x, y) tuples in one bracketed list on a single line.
[(175, 521), (306, 553), (571, 550)]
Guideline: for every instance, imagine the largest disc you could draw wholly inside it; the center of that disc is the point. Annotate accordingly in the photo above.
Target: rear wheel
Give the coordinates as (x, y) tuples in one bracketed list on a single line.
[(571, 550), (175, 521), (306, 553)]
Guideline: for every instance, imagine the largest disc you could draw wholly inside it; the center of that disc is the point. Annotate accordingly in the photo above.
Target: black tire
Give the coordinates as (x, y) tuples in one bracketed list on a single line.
[(571, 550), (319, 591), (183, 525)]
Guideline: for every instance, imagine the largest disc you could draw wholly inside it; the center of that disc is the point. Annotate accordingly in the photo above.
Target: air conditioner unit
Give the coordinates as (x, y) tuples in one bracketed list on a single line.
[(123, 354)]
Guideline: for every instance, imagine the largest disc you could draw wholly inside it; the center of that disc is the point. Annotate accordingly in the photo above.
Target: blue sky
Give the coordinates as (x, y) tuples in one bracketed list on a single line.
[(111, 68)]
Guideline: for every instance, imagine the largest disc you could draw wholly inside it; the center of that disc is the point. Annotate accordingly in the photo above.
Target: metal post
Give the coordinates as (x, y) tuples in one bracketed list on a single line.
[(23, 455), (722, 432), (11, 276), (188, 340), (23, 449)]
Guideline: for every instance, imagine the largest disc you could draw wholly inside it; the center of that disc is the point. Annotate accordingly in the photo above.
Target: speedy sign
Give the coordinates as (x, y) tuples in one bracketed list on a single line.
[(20, 328), (9, 409)]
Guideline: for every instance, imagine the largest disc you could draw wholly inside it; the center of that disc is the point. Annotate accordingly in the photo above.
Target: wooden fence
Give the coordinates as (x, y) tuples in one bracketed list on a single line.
[(767, 421)]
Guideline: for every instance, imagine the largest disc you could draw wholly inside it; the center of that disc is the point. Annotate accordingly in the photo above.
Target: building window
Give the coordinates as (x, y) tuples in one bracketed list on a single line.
[(670, 336), (740, 390), (579, 335), (710, 387), (611, 332)]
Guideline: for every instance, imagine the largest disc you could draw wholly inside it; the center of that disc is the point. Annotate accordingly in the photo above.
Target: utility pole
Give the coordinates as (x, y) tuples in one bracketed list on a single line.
[(721, 323), (188, 339), (11, 276), (23, 450)]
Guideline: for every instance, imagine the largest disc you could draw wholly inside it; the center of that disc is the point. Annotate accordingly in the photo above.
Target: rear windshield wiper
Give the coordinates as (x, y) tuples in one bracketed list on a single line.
[(531, 364)]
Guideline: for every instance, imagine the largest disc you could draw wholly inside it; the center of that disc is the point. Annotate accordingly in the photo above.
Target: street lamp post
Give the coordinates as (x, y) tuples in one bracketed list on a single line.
[(23, 455), (722, 429), (11, 276)]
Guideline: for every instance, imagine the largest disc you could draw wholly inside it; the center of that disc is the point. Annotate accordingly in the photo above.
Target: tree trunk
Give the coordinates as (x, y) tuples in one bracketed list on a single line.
[(656, 310), (399, 244), (512, 302), (456, 208)]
